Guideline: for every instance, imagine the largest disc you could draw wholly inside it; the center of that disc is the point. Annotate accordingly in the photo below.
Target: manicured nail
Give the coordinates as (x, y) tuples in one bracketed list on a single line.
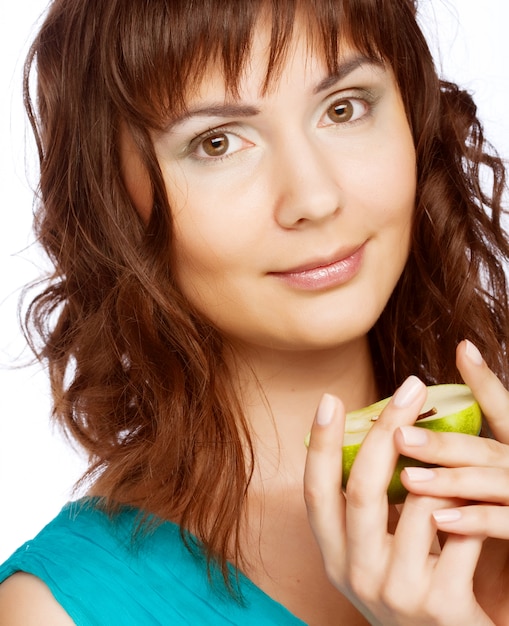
[(419, 474), (407, 393), (413, 435), (446, 515), (326, 409), (473, 353)]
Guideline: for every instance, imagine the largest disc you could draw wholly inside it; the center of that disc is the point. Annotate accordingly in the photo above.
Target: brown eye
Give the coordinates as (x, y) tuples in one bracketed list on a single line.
[(341, 111), (216, 146)]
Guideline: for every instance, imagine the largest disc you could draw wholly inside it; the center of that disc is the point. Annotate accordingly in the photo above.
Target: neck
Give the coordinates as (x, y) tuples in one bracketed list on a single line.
[(280, 392)]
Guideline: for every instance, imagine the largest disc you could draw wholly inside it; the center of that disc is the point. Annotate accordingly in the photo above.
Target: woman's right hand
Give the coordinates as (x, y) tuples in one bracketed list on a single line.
[(393, 579)]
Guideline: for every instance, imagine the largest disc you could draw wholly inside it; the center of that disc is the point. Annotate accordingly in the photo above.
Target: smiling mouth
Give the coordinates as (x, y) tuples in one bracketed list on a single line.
[(316, 275)]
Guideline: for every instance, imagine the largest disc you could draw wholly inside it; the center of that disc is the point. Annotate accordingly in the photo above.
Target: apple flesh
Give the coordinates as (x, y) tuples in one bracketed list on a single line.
[(448, 408)]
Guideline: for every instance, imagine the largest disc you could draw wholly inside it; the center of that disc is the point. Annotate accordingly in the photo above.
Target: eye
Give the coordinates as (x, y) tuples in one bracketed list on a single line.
[(344, 111), (217, 144)]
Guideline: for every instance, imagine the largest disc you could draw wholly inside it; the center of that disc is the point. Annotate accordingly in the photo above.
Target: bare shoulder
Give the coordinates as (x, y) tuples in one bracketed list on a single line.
[(26, 601)]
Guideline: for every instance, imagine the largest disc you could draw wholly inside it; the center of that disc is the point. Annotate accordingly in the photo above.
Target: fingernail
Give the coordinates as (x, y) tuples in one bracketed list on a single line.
[(446, 515), (419, 474), (407, 393), (326, 409), (413, 435), (473, 353)]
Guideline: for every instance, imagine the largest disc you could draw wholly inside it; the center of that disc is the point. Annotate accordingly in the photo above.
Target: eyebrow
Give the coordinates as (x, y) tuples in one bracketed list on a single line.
[(231, 110), (216, 110), (345, 68)]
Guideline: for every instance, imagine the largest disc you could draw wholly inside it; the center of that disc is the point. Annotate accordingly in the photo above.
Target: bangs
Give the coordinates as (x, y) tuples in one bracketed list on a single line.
[(163, 48)]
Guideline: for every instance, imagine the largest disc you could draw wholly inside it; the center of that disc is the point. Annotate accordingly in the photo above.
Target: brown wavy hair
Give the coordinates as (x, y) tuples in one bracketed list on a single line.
[(138, 377)]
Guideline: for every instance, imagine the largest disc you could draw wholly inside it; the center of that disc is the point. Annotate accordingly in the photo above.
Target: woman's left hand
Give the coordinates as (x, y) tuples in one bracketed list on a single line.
[(476, 470)]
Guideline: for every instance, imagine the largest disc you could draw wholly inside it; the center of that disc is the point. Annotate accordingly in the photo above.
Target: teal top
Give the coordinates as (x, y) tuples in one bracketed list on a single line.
[(102, 572)]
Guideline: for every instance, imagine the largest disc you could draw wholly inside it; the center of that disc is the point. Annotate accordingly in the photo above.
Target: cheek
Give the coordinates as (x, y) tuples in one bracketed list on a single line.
[(207, 248), (217, 227), (394, 185)]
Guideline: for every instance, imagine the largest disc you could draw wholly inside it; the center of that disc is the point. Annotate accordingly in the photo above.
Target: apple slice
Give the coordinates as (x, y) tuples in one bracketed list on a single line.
[(447, 408)]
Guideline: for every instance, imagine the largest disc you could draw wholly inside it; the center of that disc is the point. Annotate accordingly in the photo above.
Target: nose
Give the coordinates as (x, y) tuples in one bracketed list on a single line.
[(306, 177)]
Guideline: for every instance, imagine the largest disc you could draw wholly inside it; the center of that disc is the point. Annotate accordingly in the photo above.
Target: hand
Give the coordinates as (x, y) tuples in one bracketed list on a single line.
[(476, 470), (392, 579)]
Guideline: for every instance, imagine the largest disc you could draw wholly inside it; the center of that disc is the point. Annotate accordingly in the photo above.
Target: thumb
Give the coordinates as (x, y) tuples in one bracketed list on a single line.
[(492, 396), (322, 482)]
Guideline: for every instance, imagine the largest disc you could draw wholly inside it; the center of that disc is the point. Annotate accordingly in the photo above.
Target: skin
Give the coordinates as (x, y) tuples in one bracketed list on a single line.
[(399, 578), (300, 187), (25, 600), (297, 188)]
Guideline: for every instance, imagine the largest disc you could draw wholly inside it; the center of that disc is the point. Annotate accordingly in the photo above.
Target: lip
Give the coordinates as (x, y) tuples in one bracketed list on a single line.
[(324, 273)]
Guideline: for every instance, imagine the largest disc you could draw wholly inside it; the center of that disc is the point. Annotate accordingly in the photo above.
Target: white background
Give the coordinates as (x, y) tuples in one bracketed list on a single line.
[(37, 468)]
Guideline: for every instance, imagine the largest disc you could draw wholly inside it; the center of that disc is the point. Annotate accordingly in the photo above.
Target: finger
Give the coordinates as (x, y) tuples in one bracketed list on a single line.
[(438, 588), (450, 449), (486, 387), (376, 459), (366, 492), (458, 561), (410, 562), (485, 520), (486, 484), (322, 483), (453, 578)]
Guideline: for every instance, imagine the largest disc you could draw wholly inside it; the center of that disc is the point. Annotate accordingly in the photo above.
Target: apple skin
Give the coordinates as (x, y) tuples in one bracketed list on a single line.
[(457, 411)]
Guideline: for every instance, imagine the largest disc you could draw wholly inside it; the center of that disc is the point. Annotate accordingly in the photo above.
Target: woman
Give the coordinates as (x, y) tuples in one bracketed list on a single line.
[(254, 210)]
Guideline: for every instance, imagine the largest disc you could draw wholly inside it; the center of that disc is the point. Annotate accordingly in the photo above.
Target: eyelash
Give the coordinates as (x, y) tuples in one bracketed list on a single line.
[(197, 142), (367, 100)]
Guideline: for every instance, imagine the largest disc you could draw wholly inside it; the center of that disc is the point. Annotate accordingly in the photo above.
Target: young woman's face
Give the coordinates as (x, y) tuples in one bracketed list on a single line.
[(292, 209)]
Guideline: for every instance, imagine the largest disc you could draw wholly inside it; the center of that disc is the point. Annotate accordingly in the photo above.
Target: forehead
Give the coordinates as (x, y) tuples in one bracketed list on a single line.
[(186, 52), (303, 57)]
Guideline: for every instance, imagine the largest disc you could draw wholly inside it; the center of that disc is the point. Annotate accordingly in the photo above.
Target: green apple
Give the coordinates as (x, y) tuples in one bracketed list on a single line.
[(447, 408)]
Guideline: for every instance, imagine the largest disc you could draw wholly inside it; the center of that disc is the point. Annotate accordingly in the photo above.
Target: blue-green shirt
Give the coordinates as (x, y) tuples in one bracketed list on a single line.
[(100, 575)]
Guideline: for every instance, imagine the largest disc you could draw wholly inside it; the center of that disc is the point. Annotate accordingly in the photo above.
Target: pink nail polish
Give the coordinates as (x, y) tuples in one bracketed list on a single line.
[(413, 435), (419, 474), (407, 393), (326, 410), (443, 516), (473, 353)]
